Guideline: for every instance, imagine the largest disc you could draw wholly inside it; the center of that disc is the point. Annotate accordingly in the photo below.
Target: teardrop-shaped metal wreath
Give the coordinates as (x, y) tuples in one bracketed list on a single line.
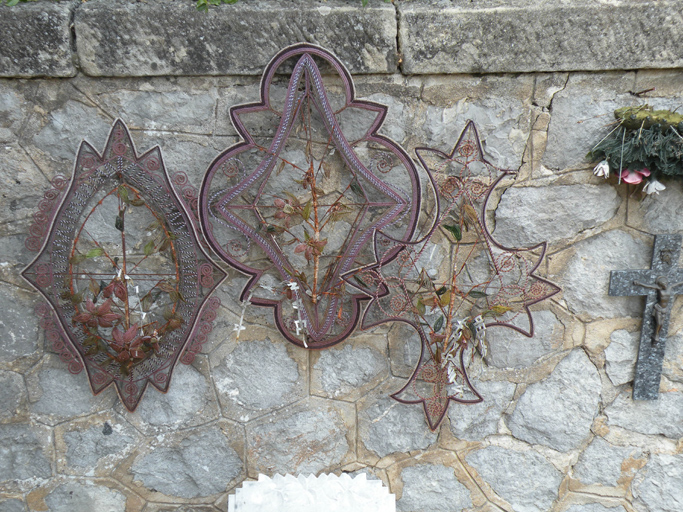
[(126, 281)]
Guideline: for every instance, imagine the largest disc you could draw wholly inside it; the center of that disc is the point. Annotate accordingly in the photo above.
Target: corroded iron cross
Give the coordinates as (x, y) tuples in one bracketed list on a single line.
[(661, 283)]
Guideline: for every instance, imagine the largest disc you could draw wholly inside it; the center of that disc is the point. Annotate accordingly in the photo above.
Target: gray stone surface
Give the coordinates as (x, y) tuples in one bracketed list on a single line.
[(432, 487), (185, 110), (387, 426), (586, 280), (67, 126), (36, 40), (559, 411), (164, 37), (502, 124), (12, 506), (300, 440), (86, 448), (600, 463), (18, 329), (621, 355), (475, 422), (525, 480), (21, 454), (663, 416), (257, 376), (661, 212), (22, 187), (187, 397), (494, 36), (527, 216), (202, 464), (85, 497), (12, 394), (595, 507), (511, 349), (65, 395), (582, 114), (659, 485), (347, 368)]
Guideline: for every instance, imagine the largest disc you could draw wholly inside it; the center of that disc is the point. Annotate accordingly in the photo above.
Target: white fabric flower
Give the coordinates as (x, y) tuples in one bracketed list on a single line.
[(602, 169), (653, 187)]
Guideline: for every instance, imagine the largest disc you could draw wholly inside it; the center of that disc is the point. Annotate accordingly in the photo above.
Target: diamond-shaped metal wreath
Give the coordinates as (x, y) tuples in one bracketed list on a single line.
[(318, 209), (296, 204), (126, 281)]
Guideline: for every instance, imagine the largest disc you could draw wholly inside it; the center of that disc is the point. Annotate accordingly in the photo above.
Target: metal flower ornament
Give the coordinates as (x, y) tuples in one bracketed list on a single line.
[(126, 282), (296, 204), (455, 282)]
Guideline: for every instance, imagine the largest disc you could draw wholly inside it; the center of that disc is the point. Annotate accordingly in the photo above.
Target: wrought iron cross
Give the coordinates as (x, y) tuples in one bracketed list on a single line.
[(660, 284)]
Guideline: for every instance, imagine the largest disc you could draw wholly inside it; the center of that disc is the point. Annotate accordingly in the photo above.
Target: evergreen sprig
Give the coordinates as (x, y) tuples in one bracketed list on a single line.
[(644, 138)]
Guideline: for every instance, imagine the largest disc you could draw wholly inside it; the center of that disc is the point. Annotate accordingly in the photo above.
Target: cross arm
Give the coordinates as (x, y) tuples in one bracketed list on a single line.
[(621, 282)]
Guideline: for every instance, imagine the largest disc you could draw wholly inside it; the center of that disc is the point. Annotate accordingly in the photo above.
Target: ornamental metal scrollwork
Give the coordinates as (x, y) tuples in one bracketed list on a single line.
[(296, 204), (451, 299), (126, 281)]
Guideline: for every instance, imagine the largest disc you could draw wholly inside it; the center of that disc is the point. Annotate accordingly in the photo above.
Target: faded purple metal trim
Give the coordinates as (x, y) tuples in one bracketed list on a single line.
[(327, 314), (123, 311), (462, 181)]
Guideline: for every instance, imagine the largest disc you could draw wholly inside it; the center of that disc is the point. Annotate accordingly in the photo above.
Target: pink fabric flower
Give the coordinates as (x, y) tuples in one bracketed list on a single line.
[(634, 177)]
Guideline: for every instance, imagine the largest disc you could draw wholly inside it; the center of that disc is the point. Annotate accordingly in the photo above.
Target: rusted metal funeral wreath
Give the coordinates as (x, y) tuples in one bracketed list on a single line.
[(125, 278), (331, 221)]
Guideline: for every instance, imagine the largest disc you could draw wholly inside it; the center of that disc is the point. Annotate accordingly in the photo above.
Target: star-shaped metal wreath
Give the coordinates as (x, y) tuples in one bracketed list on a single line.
[(455, 282)]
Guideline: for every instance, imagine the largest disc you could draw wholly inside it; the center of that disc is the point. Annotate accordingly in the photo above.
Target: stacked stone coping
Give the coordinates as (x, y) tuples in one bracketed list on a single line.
[(170, 37)]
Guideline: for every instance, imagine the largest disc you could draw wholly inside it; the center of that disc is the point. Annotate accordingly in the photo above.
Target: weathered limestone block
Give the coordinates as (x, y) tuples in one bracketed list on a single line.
[(22, 452), (527, 216), (60, 396), (586, 280), (595, 507), (499, 106), (259, 376), (189, 401), (36, 40), (66, 126), (200, 463), (187, 108), (22, 186), (601, 463), (663, 416), (492, 36), (582, 114), (511, 349), (432, 487), (659, 485), (306, 438), (621, 356), (18, 324), (404, 349), (659, 214), (672, 367), (524, 479), (94, 445), (351, 369), (558, 412), (85, 497), (170, 38), (386, 426), (13, 396), (11, 110), (12, 506), (475, 422)]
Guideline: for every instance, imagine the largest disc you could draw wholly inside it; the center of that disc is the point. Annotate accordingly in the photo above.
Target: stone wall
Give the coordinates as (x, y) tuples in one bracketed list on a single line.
[(558, 430)]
